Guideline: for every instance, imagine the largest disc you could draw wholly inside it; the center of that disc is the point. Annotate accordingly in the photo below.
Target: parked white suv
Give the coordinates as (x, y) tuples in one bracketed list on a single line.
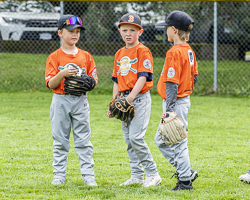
[(28, 20)]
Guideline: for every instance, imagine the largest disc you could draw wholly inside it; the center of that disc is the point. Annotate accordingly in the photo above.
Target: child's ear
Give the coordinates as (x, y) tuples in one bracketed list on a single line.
[(175, 29), (59, 32), (140, 32)]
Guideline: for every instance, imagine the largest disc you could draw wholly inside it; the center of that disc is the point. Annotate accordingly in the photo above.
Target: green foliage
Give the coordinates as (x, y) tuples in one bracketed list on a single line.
[(101, 19), (218, 144)]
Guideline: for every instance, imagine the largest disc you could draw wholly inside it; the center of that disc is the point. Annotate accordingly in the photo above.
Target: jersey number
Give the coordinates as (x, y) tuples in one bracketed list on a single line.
[(191, 57)]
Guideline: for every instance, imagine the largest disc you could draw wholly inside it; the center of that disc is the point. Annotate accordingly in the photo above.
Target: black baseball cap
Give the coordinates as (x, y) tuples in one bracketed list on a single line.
[(130, 18), (178, 19), (63, 24)]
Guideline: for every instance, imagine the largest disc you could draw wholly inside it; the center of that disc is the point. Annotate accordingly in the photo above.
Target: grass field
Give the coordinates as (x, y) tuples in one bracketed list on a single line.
[(219, 142), (20, 72)]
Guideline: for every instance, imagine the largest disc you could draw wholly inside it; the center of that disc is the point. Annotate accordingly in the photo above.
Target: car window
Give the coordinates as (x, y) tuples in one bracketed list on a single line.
[(36, 7), (9, 6)]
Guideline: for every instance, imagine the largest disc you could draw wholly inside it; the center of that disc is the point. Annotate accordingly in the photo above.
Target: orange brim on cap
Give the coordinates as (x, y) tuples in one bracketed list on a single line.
[(130, 23)]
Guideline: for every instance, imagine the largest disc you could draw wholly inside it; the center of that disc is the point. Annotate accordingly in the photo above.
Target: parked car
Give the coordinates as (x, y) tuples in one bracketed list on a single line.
[(28, 20)]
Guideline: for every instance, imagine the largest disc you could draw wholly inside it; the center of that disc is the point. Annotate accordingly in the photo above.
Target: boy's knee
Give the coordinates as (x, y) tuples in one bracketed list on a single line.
[(134, 139), (61, 145)]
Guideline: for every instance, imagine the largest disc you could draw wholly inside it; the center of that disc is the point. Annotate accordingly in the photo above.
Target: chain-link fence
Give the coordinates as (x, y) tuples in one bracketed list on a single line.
[(28, 34)]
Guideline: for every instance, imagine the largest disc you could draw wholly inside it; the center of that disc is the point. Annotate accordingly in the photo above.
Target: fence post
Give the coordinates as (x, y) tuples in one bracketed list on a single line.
[(61, 13), (215, 46)]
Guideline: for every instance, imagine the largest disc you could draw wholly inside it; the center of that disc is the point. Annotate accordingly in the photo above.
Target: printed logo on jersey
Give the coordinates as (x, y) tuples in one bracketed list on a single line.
[(94, 73), (125, 65), (131, 18), (147, 64), (171, 72)]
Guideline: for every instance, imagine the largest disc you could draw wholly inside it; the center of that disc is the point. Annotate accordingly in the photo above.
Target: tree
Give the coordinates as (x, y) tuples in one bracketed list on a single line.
[(100, 18)]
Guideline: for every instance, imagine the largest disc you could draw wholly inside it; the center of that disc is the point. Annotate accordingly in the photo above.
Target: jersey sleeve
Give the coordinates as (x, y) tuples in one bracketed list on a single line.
[(145, 61), (172, 68), (148, 75), (195, 66), (115, 70), (92, 70), (51, 69)]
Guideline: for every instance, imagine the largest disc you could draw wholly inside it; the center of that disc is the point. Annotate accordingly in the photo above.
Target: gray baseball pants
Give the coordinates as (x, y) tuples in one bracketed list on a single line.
[(133, 132), (177, 154), (67, 110)]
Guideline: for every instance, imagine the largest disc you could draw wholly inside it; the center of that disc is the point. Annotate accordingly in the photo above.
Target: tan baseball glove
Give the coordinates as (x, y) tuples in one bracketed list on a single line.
[(172, 129)]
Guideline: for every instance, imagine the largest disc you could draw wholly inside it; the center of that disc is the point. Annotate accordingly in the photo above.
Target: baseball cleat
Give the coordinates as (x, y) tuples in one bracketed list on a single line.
[(90, 182), (181, 186), (132, 181), (57, 181), (152, 180), (194, 175), (245, 178)]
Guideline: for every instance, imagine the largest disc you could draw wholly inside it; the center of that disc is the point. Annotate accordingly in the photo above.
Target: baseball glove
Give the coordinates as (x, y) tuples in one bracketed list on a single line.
[(121, 109), (172, 129), (78, 85)]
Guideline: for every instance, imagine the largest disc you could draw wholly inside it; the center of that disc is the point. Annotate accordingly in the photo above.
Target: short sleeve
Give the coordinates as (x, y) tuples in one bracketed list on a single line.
[(145, 61), (51, 69), (172, 68), (116, 67), (92, 68)]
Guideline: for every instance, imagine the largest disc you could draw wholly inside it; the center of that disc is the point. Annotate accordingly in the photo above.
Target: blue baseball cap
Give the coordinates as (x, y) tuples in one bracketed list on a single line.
[(178, 19), (70, 22)]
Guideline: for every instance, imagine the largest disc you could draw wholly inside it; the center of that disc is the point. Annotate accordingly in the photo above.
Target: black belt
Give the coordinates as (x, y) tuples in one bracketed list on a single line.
[(84, 93), (127, 92)]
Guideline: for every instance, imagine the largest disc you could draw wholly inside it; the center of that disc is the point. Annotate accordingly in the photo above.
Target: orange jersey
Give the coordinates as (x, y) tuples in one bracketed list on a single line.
[(180, 67), (129, 63), (58, 59)]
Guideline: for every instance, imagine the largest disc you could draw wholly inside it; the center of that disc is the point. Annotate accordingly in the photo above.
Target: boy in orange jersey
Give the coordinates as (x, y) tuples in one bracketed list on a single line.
[(67, 110), (175, 85), (133, 78)]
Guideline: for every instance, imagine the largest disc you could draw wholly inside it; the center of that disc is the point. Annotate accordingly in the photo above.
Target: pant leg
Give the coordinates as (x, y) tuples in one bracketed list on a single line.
[(137, 170), (164, 149), (81, 132), (136, 132), (60, 128), (182, 107), (177, 154), (182, 159)]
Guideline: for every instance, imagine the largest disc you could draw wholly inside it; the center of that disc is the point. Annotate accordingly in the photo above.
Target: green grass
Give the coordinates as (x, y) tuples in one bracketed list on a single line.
[(219, 142), (20, 72)]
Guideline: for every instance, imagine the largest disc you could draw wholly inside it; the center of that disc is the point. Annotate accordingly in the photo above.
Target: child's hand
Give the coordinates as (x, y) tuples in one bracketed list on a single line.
[(130, 99), (109, 114), (69, 72)]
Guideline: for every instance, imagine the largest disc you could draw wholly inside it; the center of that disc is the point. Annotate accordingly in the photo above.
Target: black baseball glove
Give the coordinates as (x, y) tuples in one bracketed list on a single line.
[(121, 109), (78, 85)]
